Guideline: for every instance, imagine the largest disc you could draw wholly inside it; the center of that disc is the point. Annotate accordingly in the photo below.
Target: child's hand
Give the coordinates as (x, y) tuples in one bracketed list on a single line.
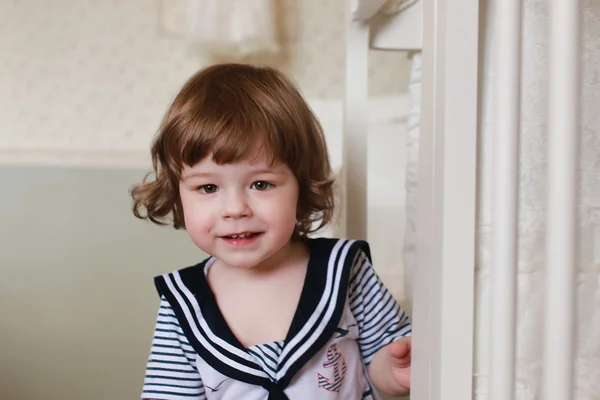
[(400, 356), (390, 368)]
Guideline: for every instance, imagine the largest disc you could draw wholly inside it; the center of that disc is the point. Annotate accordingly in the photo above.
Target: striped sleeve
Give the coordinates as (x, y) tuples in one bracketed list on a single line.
[(380, 318), (171, 373)]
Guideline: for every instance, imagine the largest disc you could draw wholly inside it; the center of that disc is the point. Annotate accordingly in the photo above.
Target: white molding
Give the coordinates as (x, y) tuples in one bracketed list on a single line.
[(72, 157), (443, 303)]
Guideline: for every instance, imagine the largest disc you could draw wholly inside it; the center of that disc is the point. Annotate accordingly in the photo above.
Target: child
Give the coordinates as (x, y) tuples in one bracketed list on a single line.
[(241, 163)]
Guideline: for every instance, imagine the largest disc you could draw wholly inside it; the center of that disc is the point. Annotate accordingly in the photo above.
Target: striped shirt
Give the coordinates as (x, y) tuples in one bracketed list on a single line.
[(172, 371)]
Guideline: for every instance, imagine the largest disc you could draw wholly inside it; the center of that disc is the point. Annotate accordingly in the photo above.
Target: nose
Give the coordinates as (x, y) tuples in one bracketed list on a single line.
[(235, 206)]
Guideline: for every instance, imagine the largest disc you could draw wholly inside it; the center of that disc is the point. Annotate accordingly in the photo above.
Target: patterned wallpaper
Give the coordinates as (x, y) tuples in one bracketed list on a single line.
[(100, 74)]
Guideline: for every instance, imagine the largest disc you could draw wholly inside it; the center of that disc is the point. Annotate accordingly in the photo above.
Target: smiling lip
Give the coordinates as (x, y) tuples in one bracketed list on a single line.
[(241, 239)]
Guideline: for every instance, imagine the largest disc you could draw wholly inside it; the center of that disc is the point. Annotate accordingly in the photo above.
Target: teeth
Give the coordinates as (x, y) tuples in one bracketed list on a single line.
[(240, 236)]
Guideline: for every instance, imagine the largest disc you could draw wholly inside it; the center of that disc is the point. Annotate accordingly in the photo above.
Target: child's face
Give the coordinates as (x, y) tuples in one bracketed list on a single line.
[(243, 213)]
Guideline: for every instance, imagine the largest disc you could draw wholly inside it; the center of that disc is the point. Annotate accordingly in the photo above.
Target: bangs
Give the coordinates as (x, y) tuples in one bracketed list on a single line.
[(231, 138)]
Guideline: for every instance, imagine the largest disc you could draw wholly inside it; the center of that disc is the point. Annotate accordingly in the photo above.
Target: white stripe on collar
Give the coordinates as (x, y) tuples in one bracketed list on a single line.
[(330, 293), (214, 342)]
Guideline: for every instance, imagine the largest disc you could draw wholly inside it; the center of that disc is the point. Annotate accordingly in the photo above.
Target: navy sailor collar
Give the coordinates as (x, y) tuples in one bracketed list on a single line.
[(319, 311)]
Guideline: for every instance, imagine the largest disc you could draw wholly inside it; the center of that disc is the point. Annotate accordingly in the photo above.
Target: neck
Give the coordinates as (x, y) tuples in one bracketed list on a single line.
[(289, 255)]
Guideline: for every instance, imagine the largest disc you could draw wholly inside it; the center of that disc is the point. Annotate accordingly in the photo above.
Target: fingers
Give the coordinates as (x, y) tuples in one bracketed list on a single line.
[(400, 348), (402, 377), (400, 351)]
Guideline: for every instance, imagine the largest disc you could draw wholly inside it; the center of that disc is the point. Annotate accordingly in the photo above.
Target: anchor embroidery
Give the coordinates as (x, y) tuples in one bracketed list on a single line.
[(336, 361)]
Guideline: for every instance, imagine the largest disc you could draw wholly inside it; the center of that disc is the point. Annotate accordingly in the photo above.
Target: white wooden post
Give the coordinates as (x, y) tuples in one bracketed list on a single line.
[(444, 277), (354, 141)]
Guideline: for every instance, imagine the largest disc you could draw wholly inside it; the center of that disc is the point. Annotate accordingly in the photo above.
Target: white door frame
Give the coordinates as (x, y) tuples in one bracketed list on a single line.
[(443, 303)]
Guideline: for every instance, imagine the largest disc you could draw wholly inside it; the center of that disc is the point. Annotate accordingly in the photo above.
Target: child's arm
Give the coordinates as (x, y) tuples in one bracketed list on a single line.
[(383, 328), (171, 372)]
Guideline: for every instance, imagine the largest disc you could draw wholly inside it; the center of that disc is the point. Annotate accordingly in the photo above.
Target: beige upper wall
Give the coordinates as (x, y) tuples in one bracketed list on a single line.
[(100, 74)]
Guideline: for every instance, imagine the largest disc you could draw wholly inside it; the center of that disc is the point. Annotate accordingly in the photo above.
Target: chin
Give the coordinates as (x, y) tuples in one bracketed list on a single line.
[(241, 264)]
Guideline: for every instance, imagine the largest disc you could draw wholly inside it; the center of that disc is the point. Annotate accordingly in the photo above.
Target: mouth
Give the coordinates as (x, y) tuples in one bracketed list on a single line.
[(241, 239), (243, 235)]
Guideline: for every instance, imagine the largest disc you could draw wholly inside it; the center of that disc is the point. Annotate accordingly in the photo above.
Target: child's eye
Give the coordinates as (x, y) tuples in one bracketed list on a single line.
[(261, 185), (208, 189)]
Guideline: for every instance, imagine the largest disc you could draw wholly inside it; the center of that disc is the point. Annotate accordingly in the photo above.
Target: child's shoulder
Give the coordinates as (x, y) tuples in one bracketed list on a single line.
[(344, 246)]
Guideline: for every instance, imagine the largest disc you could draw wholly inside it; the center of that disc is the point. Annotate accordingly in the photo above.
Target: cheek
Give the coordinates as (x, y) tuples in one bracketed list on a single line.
[(195, 215), (283, 211), (284, 215)]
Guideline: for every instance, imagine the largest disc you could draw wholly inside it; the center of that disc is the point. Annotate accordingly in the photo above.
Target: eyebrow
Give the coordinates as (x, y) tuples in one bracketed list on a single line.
[(199, 174), (265, 171)]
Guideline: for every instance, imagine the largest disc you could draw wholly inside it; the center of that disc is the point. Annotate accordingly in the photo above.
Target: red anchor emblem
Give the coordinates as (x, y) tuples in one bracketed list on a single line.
[(335, 360)]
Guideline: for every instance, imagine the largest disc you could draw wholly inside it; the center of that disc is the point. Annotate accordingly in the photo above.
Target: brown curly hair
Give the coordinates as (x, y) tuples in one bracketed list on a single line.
[(227, 111)]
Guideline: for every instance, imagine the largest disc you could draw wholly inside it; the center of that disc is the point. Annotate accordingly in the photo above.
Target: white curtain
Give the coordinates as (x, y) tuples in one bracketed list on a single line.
[(532, 207)]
